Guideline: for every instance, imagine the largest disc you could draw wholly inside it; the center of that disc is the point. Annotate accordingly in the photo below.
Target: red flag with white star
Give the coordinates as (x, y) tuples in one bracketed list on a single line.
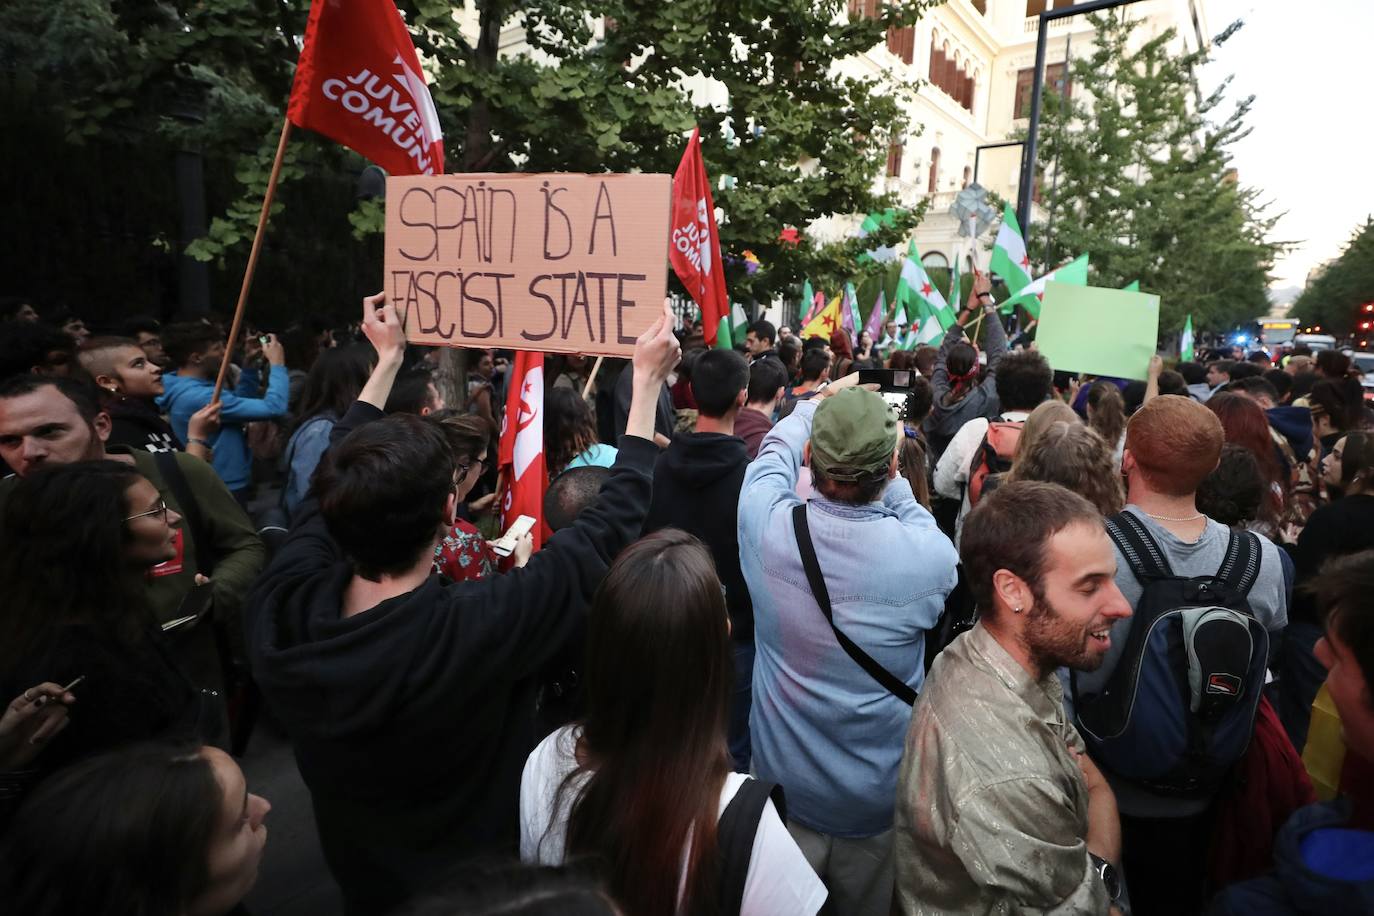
[(521, 452)]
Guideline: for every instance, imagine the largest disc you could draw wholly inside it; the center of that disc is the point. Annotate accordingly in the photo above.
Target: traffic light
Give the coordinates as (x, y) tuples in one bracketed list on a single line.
[(1364, 325)]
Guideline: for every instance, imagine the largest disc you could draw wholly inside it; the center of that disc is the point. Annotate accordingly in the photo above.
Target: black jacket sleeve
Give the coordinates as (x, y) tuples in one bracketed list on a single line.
[(525, 615)]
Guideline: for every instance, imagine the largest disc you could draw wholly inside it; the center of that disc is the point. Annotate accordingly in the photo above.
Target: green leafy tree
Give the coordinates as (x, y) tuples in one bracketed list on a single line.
[(795, 140), (1145, 185), (116, 90), (1338, 293)]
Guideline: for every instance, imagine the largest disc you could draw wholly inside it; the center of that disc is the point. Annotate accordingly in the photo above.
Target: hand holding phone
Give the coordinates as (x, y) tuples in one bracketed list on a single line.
[(894, 386), (505, 544)]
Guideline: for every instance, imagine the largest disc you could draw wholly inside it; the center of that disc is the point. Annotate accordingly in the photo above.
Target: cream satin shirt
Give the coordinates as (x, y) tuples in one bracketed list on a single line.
[(992, 810)]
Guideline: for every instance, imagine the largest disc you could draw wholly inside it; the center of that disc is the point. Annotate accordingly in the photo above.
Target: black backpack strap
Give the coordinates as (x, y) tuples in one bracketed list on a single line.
[(1138, 546), (890, 682), (1240, 567), (176, 481), (735, 832)]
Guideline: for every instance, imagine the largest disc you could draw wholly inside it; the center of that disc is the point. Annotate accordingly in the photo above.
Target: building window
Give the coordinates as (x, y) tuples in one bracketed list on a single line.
[(902, 43), (934, 259), (947, 72), (934, 170), (1033, 7), (981, 6), (865, 9), (1056, 80), (894, 160)]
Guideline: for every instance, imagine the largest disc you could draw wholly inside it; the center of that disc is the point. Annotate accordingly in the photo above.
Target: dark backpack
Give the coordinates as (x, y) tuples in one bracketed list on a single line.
[(735, 831), (1179, 709), (993, 456)]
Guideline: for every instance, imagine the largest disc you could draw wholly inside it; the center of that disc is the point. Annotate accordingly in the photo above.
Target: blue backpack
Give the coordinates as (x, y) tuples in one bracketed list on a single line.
[(1178, 710)]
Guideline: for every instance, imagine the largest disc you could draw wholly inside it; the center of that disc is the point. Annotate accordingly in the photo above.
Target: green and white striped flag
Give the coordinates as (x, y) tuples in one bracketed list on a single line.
[(739, 322), (723, 336), (1185, 345), (923, 304), (1009, 260), (1075, 272), (807, 298)]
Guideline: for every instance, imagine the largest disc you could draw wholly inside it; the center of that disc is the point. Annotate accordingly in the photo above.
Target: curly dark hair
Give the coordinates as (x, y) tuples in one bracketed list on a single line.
[(1024, 379), (569, 428), (1234, 493)]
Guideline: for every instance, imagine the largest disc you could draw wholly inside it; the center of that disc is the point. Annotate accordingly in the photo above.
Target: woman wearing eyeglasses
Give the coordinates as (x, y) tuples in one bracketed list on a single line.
[(463, 554), (76, 544)]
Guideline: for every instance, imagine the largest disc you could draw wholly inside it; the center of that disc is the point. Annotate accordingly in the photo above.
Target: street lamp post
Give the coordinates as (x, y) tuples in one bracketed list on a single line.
[(1023, 193)]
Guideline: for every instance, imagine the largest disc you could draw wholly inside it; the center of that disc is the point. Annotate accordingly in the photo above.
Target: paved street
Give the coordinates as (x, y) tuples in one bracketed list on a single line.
[(294, 880)]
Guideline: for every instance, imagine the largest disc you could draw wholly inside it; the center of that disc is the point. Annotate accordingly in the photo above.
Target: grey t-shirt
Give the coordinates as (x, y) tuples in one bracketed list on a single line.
[(1268, 600)]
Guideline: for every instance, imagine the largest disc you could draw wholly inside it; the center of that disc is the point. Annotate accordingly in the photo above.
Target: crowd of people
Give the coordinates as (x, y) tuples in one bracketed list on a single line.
[(990, 638)]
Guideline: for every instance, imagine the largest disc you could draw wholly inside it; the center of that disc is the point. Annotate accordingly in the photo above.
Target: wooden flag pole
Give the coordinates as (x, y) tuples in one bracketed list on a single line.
[(973, 334), (252, 258), (596, 367)]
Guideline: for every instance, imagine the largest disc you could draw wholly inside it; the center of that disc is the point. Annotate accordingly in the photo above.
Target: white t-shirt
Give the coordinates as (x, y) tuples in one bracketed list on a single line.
[(780, 881)]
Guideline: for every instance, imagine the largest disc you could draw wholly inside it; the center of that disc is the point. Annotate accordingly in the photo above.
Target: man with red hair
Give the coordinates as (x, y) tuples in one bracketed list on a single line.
[(1172, 444)]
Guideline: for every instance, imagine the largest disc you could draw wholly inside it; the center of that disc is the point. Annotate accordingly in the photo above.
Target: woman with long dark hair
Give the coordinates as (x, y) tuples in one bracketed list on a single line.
[(148, 830), (1107, 415), (638, 786), (1337, 406), (76, 543), (1245, 424), (332, 385), (570, 434)]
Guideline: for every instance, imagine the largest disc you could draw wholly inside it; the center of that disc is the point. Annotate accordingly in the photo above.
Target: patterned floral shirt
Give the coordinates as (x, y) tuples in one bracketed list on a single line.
[(463, 554)]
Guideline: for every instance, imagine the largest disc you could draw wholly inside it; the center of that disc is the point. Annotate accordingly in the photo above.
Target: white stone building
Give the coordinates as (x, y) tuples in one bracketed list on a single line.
[(976, 59)]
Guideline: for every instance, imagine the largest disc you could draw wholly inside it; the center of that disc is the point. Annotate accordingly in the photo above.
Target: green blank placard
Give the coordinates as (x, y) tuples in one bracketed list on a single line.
[(1098, 331)]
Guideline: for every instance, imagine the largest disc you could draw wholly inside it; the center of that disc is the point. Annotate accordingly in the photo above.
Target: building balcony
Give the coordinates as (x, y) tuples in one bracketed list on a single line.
[(1032, 25)]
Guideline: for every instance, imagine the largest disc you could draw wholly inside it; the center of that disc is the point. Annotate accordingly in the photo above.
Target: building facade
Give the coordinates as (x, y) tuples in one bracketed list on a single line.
[(976, 61)]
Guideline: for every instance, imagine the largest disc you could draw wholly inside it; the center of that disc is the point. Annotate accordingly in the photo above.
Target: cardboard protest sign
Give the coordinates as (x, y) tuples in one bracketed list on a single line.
[(1098, 331), (559, 262)]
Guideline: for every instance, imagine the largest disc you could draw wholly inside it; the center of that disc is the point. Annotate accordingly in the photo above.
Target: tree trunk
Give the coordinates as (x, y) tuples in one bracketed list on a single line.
[(450, 377)]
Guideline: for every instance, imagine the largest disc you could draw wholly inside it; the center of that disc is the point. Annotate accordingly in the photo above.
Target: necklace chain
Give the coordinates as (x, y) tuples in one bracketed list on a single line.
[(1169, 518)]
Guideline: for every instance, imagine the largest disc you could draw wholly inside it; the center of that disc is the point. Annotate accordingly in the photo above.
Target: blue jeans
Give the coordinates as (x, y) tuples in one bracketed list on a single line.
[(741, 699)]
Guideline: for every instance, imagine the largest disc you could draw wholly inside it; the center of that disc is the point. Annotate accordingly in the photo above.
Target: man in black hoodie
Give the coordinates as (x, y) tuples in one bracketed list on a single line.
[(408, 698), (697, 481)]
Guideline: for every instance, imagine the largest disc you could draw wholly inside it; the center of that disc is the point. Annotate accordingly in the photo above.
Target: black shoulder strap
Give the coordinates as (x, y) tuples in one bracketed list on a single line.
[(176, 480), (1138, 546), (893, 684), (1240, 567), (735, 832)]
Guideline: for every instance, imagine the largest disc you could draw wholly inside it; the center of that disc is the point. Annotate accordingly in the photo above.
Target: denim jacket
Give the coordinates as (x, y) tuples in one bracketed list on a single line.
[(821, 726)]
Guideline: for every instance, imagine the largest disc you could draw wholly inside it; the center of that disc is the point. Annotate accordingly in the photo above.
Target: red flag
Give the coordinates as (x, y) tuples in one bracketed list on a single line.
[(694, 249), (359, 83), (521, 453)]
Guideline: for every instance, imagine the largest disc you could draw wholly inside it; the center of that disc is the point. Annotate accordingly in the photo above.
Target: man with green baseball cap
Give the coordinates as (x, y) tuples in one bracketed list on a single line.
[(853, 438), (826, 726)]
